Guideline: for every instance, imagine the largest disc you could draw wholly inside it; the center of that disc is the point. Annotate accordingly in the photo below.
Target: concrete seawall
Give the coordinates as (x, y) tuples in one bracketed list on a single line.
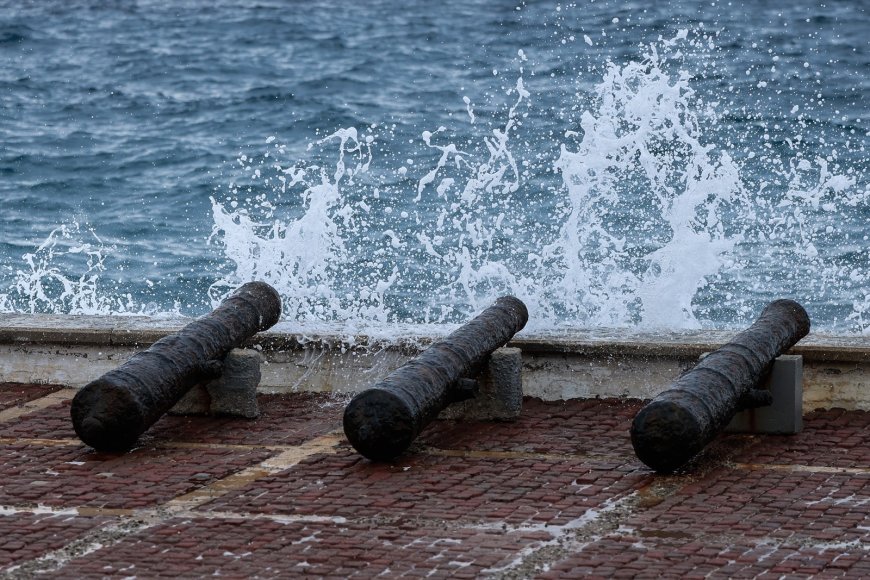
[(73, 350)]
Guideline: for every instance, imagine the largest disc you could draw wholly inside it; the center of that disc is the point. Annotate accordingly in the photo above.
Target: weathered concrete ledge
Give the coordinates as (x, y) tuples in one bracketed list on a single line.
[(73, 350)]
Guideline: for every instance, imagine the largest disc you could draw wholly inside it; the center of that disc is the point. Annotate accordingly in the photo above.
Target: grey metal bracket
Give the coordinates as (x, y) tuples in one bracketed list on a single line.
[(785, 415), (500, 390)]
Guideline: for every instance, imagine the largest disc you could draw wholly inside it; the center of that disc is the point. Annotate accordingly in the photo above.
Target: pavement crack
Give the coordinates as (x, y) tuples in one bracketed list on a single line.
[(593, 525), (102, 537)]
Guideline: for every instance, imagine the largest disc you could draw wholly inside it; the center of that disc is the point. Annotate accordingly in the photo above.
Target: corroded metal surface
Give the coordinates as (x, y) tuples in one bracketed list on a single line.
[(382, 421), (679, 422), (111, 412)]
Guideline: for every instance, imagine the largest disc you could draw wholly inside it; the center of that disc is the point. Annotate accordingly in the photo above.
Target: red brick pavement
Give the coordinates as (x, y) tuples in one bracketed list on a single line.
[(834, 437), (284, 420), (12, 394), (25, 536), (585, 427), (557, 493), (270, 549), (70, 476), (648, 556), (504, 490)]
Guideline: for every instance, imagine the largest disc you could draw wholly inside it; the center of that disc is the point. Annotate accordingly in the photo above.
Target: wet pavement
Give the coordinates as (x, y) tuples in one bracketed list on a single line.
[(555, 494)]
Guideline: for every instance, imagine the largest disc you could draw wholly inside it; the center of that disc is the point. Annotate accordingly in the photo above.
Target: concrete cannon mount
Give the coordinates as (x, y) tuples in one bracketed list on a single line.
[(557, 493)]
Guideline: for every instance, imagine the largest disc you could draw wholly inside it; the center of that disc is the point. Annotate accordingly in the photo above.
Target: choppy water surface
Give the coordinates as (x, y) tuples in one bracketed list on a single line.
[(610, 163)]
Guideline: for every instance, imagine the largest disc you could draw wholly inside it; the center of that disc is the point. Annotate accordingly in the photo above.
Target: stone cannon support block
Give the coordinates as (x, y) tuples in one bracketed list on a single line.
[(785, 415), (501, 391), (233, 393)]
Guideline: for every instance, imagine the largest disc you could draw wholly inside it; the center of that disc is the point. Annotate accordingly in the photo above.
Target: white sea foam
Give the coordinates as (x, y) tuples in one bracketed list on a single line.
[(642, 154), (651, 212), (44, 284)]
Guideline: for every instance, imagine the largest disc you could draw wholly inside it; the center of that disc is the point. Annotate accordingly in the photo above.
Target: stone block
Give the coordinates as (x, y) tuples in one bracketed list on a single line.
[(785, 415), (233, 393), (196, 401), (501, 390)]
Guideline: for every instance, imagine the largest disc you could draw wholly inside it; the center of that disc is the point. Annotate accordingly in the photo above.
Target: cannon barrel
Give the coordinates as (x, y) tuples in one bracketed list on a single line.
[(111, 412), (381, 422), (679, 422)]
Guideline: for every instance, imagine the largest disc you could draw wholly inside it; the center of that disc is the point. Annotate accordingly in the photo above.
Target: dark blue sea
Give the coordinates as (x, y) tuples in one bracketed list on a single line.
[(613, 164)]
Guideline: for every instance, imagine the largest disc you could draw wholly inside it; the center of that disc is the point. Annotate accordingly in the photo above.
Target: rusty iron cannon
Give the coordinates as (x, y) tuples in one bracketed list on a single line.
[(382, 421), (679, 422), (111, 412)]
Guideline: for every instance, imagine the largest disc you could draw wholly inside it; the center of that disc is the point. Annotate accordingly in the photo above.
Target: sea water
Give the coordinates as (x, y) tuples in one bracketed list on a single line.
[(613, 164)]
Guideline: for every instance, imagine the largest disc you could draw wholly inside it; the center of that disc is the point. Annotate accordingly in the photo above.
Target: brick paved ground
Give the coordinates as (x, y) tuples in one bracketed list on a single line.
[(558, 493)]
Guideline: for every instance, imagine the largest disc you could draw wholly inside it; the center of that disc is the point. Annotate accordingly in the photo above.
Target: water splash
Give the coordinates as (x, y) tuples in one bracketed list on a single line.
[(653, 218), (44, 285), (470, 231), (304, 255), (648, 199), (650, 213)]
